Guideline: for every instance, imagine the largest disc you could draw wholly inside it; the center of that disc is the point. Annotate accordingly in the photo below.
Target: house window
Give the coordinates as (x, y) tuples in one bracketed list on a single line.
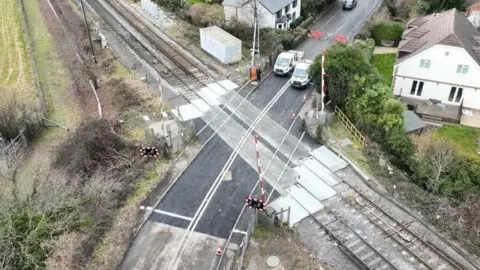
[(455, 93), (294, 15), (463, 69), (294, 4), (417, 88), (279, 26), (287, 8), (279, 14), (424, 63)]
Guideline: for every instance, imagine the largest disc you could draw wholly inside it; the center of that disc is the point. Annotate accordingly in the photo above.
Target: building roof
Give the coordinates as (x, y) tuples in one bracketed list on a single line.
[(412, 121), (449, 28), (221, 35), (235, 3), (275, 5), (271, 5)]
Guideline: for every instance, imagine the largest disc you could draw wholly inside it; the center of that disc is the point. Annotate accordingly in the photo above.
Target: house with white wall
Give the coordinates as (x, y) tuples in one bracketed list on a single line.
[(437, 70), (277, 14)]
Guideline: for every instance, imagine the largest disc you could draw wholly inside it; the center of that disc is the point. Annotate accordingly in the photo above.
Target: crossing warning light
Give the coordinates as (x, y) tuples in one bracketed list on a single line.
[(255, 203), (149, 152)]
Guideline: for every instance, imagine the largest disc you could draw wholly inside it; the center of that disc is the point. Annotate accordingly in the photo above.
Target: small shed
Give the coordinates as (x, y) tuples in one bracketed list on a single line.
[(221, 44), (412, 122)]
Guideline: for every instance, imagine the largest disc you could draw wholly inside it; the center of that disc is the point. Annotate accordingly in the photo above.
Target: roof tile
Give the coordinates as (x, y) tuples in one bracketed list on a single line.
[(449, 28)]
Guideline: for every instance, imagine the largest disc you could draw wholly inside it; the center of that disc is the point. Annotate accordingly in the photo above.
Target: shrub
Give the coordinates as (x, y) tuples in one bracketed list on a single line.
[(366, 46), (364, 33), (172, 5), (387, 31), (296, 22), (91, 147), (14, 118), (305, 24), (204, 15), (400, 148), (288, 42)]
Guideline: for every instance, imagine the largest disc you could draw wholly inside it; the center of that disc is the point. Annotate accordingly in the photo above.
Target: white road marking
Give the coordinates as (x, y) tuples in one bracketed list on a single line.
[(166, 213)]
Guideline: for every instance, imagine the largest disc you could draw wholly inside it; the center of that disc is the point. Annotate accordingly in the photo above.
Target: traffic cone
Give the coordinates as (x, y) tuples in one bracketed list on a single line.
[(294, 115), (219, 252)]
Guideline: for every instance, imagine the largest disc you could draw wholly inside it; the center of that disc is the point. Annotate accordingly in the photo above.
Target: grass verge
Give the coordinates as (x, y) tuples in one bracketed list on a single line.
[(56, 83), (384, 63), (466, 139), (354, 152)]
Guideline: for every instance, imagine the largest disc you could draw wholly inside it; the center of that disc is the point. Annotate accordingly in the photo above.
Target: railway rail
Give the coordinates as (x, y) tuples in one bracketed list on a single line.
[(398, 231), (183, 67), (351, 242), (176, 76), (185, 77)]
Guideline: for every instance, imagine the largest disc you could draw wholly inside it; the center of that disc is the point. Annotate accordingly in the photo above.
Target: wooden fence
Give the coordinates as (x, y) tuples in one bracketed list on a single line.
[(351, 127)]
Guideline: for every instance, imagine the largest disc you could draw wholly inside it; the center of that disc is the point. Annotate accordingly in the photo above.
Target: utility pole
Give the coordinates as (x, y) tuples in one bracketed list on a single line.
[(254, 31), (323, 87), (88, 32)]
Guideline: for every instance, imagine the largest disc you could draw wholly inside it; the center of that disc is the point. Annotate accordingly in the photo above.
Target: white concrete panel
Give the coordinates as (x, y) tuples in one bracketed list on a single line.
[(321, 171), (187, 112), (209, 96), (217, 88), (329, 159), (228, 85), (155, 10), (201, 105), (301, 204), (150, 8), (316, 186)]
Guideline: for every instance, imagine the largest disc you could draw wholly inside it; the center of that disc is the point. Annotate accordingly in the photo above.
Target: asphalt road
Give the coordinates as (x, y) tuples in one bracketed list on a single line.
[(191, 188), (186, 196), (335, 21)]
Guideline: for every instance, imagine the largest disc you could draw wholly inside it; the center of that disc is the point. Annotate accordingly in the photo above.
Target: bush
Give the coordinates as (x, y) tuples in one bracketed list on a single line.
[(305, 24), (297, 22), (14, 118), (400, 147), (172, 5), (27, 233), (91, 147), (364, 33), (204, 15), (288, 42), (366, 46), (387, 31)]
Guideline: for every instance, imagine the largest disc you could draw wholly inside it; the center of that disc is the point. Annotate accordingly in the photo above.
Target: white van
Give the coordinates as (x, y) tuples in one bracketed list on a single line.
[(286, 62), (301, 77)]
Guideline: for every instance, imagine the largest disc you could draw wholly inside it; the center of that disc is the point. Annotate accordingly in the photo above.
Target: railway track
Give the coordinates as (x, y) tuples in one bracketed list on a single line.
[(186, 77), (189, 72), (352, 242), (177, 76), (426, 254)]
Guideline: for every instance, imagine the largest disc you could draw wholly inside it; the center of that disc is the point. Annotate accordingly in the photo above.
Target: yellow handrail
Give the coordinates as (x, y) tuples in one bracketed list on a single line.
[(353, 130)]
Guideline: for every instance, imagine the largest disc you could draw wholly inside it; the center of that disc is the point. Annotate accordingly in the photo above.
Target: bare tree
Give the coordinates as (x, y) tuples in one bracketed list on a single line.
[(435, 155)]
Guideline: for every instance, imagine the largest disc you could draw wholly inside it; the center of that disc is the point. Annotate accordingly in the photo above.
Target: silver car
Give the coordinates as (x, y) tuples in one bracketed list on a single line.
[(349, 4)]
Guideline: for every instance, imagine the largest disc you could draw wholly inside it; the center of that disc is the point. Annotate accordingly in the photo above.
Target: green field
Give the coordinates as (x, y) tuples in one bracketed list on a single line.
[(465, 138), (384, 63), (16, 80)]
